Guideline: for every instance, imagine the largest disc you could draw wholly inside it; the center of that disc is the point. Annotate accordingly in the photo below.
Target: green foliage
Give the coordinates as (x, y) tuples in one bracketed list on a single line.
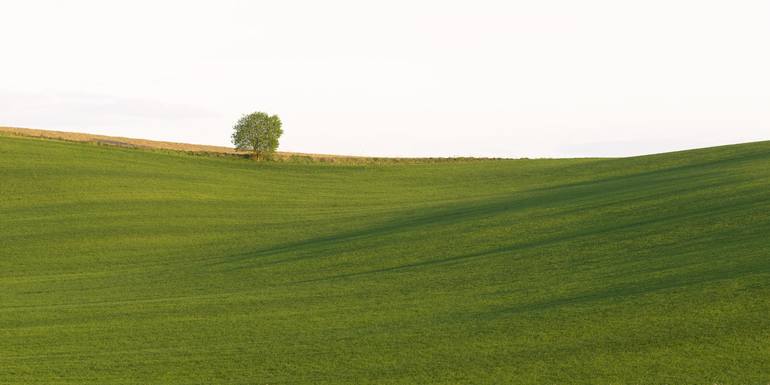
[(125, 266), (257, 132)]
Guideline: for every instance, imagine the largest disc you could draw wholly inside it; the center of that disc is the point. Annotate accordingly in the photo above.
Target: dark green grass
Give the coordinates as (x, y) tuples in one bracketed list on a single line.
[(135, 267)]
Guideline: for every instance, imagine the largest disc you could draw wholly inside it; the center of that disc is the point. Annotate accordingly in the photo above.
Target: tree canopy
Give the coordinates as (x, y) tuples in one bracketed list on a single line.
[(257, 132)]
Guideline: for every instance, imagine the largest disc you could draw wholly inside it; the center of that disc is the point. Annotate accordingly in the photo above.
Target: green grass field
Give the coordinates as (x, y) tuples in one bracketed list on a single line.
[(125, 266)]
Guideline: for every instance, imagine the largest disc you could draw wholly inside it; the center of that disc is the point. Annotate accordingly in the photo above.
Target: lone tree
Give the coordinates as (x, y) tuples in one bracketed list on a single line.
[(257, 132)]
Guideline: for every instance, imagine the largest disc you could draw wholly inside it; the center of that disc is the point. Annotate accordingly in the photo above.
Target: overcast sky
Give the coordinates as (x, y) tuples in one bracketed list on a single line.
[(539, 78)]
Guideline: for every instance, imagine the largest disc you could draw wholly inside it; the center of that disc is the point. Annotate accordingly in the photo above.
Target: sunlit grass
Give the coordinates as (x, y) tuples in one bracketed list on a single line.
[(134, 267)]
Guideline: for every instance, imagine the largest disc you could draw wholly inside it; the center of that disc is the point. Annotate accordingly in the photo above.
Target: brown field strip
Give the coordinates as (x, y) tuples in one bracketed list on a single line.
[(155, 144), (204, 149)]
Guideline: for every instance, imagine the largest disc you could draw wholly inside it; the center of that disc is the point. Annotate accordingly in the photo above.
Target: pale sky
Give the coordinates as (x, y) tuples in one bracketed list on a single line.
[(542, 78)]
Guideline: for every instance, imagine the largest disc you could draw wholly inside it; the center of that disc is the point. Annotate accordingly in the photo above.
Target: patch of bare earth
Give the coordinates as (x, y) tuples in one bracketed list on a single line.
[(155, 144)]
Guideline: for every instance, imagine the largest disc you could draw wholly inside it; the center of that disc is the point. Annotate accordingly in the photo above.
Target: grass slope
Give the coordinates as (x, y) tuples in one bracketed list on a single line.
[(128, 266)]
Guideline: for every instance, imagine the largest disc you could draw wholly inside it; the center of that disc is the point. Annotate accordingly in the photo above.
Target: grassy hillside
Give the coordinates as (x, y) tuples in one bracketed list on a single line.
[(127, 266)]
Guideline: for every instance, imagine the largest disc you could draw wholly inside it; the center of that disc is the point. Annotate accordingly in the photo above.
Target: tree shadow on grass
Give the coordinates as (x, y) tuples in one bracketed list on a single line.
[(623, 292), (656, 184), (511, 250)]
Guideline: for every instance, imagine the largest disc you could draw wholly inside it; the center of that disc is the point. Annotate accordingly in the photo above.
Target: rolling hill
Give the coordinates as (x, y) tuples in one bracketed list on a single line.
[(133, 266)]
